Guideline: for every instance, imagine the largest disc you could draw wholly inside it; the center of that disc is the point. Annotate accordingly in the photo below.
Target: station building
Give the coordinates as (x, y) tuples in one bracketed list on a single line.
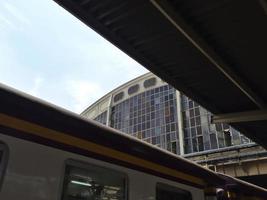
[(153, 111)]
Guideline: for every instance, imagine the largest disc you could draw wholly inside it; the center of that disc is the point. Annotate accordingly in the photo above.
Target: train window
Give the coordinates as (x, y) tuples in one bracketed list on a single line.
[(91, 182), (3, 161), (164, 192)]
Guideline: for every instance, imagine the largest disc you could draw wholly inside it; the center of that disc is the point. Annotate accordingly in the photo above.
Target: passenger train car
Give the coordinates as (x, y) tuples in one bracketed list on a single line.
[(47, 153)]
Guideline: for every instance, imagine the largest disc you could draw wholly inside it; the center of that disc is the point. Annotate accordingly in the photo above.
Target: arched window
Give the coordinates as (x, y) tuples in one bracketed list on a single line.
[(150, 82), (118, 97), (133, 89)]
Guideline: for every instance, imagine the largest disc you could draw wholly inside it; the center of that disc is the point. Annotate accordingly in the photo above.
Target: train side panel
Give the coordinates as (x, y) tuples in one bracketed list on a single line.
[(36, 172)]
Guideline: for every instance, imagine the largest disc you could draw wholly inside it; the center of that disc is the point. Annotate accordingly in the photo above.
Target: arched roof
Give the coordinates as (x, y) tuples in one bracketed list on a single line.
[(214, 52)]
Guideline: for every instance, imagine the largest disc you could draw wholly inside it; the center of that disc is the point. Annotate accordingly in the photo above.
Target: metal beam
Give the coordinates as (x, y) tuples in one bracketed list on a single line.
[(173, 17), (249, 116), (263, 4)]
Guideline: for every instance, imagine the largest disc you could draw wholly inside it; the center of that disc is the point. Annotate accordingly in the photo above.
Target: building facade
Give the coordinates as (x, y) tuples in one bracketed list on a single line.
[(153, 111)]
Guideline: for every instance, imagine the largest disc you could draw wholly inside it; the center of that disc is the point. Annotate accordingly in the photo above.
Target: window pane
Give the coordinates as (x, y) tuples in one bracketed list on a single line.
[(197, 112), (150, 82), (218, 127), (192, 121), (94, 183), (195, 146), (199, 131), (186, 133), (198, 121), (188, 146), (166, 192), (133, 89), (221, 139), (190, 104), (200, 143), (193, 132), (174, 147), (191, 112), (118, 97), (213, 141), (228, 138), (235, 137), (102, 118)]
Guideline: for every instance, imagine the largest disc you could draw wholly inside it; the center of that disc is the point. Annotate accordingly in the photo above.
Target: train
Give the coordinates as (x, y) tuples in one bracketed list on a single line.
[(49, 153)]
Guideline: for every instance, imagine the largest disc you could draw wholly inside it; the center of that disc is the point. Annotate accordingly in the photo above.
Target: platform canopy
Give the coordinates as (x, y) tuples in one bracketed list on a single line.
[(213, 51)]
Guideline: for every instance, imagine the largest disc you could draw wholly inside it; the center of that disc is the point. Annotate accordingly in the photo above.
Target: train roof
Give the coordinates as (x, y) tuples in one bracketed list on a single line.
[(44, 123), (214, 52), (24, 107), (246, 188)]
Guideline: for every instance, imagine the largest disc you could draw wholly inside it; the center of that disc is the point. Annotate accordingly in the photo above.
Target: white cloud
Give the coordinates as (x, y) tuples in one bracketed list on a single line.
[(37, 83), (108, 57), (105, 60), (4, 22), (83, 93), (16, 13), (79, 69)]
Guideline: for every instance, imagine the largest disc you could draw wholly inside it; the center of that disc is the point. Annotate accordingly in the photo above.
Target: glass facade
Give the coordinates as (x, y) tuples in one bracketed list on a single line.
[(200, 134), (102, 118), (150, 116)]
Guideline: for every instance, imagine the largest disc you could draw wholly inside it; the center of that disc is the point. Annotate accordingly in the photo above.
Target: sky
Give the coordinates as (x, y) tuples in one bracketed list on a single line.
[(50, 54)]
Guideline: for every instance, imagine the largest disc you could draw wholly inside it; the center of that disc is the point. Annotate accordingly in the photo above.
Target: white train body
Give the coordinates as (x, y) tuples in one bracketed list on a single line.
[(47, 153), (36, 172)]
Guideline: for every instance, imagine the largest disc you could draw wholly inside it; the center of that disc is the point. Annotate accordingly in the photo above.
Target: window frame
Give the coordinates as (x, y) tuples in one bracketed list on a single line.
[(84, 164), (3, 162)]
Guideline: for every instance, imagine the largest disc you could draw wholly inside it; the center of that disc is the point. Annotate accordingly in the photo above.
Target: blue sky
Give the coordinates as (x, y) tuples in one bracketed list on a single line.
[(48, 53)]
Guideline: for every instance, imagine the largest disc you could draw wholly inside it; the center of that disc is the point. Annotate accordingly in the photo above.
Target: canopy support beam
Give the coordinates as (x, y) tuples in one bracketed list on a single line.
[(166, 10), (249, 116)]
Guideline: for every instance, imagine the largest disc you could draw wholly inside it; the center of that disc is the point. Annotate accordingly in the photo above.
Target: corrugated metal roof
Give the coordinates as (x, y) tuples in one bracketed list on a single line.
[(214, 52)]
